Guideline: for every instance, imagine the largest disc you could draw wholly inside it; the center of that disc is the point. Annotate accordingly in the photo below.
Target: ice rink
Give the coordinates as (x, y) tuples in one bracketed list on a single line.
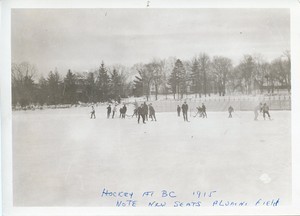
[(61, 157)]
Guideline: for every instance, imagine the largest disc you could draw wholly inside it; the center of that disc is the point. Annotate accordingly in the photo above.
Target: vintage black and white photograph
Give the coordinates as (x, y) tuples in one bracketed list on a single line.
[(151, 107)]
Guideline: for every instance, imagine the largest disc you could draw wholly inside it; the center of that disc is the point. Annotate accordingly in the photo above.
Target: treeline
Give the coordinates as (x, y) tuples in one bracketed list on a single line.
[(204, 76), (201, 76), (98, 86)]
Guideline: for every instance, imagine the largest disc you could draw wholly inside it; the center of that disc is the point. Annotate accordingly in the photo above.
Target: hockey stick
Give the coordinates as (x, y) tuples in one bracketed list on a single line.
[(196, 114)]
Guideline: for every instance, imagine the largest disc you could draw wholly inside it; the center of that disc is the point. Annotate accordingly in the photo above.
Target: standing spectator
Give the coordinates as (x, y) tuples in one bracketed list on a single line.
[(185, 108), (178, 110), (108, 111)]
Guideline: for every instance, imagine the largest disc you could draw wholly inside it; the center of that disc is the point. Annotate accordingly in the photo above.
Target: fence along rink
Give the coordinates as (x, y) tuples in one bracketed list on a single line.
[(213, 103), (243, 103)]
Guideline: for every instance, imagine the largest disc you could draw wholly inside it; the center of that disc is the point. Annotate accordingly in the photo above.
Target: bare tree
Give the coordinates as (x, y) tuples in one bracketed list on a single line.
[(221, 67), (204, 65), (155, 71), (246, 68), (23, 87), (280, 69), (261, 73)]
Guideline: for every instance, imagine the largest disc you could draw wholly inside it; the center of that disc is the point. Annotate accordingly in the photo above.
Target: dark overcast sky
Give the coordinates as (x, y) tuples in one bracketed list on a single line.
[(80, 39)]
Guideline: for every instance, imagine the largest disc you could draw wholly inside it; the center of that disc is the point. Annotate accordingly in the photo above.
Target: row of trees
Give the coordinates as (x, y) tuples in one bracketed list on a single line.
[(201, 76), (98, 86)]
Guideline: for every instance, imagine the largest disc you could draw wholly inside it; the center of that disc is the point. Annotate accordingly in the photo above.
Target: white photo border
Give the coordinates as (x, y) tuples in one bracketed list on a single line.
[(6, 111)]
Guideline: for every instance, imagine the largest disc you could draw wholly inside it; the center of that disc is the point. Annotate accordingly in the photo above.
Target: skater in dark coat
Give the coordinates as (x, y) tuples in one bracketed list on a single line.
[(185, 108), (199, 111), (266, 111), (146, 111), (230, 110), (151, 112), (121, 111), (204, 111), (178, 110), (261, 107), (141, 113), (108, 111), (135, 112), (93, 114), (124, 110)]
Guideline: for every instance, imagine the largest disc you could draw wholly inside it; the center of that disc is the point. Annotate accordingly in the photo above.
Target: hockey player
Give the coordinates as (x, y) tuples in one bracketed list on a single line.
[(140, 112), (114, 110), (204, 111), (135, 111), (266, 111), (93, 114), (199, 111), (185, 108), (146, 110), (124, 111), (108, 111), (230, 110), (121, 111), (178, 110), (151, 112)]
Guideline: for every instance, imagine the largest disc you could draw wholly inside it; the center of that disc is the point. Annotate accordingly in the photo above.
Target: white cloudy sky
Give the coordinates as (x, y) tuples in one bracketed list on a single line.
[(80, 39)]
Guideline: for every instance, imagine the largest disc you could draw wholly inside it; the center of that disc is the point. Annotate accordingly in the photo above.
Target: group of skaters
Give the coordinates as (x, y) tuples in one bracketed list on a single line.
[(262, 108), (184, 108), (110, 110), (144, 111), (122, 111), (201, 111)]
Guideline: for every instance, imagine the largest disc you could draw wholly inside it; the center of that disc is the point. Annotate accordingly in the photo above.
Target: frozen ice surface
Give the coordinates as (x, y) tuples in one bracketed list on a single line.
[(64, 158)]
